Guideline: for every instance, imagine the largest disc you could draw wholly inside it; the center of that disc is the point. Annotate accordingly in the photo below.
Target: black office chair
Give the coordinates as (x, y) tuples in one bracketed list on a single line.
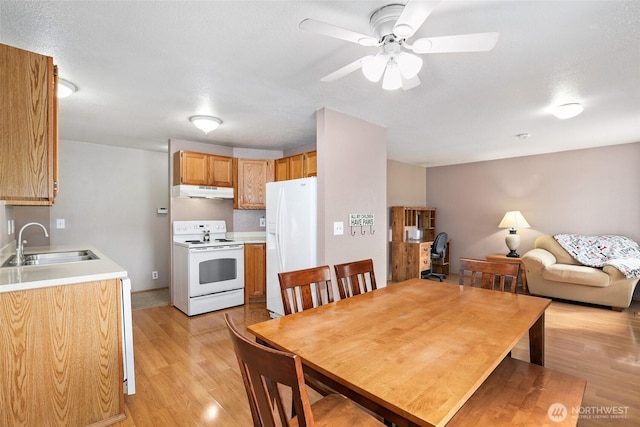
[(438, 252)]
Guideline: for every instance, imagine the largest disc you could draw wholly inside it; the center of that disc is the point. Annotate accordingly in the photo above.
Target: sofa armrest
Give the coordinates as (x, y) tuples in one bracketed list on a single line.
[(538, 256)]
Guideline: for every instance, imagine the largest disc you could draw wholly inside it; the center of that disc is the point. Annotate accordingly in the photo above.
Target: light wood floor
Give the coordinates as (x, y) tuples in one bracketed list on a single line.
[(187, 374)]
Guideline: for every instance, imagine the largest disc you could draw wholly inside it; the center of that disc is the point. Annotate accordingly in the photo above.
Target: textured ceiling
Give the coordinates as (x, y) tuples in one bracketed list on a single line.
[(144, 67)]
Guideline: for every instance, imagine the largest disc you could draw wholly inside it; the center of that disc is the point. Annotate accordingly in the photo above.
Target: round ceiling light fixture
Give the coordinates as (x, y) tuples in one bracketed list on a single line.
[(205, 123), (567, 111), (65, 88)]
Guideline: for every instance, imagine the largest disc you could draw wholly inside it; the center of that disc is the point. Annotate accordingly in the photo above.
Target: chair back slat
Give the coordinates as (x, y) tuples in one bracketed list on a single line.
[(262, 369), (355, 278), (305, 289), (491, 273)]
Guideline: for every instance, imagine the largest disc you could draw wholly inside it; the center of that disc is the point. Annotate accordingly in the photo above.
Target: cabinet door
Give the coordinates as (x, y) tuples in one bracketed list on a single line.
[(296, 166), (192, 168), (282, 169), (310, 164), (255, 276), (28, 141), (61, 361), (220, 171), (251, 179)]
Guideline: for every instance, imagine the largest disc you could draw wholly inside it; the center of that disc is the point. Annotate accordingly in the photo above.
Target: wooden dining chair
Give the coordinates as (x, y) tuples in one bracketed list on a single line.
[(355, 278), (305, 289), (491, 273), (264, 369)]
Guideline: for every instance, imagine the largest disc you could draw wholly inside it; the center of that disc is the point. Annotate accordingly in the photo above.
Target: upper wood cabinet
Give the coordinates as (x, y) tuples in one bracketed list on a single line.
[(282, 169), (29, 128), (298, 166), (220, 171), (202, 169), (250, 183)]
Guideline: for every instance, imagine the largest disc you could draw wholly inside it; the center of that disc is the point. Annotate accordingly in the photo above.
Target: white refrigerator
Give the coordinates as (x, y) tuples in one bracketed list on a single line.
[(292, 233)]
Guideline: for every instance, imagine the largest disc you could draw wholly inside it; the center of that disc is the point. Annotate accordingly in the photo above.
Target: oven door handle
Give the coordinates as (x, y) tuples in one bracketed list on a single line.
[(217, 248)]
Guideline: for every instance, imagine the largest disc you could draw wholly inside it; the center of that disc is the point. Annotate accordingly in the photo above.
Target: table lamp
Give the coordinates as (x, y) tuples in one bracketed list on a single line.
[(513, 220)]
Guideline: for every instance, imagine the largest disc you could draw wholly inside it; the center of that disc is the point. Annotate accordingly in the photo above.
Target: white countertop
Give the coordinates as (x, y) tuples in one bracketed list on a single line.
[(248, 237), (41, 276)]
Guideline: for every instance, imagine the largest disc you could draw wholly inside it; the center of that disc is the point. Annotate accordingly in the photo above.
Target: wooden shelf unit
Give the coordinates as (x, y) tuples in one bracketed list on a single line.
[(412, 256)]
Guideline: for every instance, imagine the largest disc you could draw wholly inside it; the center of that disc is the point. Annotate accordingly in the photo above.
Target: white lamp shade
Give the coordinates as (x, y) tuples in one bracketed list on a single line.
[(513, 220), (392, 79), (409, 64), (205, 123), (373, 67)]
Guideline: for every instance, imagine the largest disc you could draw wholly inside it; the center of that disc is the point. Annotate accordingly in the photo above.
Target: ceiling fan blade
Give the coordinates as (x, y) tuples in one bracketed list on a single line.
[(337, 32), (480, 42), (413, 15), (410, 83), (347, 69)]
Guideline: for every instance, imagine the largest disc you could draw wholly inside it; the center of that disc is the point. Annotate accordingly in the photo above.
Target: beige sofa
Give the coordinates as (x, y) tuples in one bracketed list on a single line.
[(551, 271)]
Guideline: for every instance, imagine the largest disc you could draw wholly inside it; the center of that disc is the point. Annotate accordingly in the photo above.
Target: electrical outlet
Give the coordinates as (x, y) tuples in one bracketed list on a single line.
[(338, 228), (263, 223), (154, 275), (59, 223)]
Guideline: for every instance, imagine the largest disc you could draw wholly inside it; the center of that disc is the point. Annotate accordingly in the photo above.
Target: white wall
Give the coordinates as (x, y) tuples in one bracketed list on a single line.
[(592, 191), (108, 198), (352, 177)]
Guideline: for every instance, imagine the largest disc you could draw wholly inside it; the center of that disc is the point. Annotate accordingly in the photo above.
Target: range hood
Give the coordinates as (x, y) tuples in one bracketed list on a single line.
[(202, 192)]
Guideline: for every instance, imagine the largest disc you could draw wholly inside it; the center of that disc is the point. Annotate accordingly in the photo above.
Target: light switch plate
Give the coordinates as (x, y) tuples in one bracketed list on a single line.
[(60, 223), (338, 228)]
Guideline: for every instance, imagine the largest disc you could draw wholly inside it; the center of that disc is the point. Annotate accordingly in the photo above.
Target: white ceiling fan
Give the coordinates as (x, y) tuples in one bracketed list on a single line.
[(392, 26)]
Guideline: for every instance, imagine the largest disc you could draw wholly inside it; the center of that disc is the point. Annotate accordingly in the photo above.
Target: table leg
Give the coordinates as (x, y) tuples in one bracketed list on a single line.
[(536, 341)]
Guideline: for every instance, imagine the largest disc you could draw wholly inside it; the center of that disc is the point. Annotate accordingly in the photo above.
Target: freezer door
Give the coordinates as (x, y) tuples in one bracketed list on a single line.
[(291, 232)]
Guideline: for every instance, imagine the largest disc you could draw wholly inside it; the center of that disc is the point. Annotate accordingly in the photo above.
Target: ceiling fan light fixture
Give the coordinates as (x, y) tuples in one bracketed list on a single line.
[(392, 78), (409, 64), (567, 111), (373, 67), (65, 88), (205, 123), (403, 30)]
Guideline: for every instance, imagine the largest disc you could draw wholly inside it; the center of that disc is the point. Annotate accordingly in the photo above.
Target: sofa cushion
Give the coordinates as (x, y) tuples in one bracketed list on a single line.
[(576, 274), (550, 244)]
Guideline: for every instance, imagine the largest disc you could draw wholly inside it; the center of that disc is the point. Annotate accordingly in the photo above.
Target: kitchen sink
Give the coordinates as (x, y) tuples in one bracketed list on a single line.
[(46, 258)]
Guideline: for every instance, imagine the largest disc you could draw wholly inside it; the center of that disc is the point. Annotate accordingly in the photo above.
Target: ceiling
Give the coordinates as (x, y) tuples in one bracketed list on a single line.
[(143, 67)]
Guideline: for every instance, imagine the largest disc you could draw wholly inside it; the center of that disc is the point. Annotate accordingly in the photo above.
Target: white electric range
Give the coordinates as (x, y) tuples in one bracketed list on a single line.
[(208, 269)]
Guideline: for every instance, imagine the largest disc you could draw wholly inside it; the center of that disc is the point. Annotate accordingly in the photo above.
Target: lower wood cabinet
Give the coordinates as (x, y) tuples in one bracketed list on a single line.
[(255, 272), (61, 358), (409, 259), (412, 258)]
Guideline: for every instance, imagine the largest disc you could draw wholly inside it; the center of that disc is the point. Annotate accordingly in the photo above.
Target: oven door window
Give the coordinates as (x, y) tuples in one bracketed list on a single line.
[(218, 270)]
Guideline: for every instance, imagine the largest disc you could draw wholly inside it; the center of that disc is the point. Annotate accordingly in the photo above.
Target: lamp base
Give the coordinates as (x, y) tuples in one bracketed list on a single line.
[(513, 254), (513, 241)]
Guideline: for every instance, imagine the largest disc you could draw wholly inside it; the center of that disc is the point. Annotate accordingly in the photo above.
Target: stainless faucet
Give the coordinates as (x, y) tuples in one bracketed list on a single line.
[(20, 249)]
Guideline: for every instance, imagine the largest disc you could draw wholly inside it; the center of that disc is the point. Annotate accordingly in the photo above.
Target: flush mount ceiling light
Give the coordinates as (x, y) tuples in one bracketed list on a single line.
[(205, 123), (65, 88), (567, 111)]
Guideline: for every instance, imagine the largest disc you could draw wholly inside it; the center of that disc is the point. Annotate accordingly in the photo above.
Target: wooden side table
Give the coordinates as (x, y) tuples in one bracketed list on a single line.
[(511, 260)]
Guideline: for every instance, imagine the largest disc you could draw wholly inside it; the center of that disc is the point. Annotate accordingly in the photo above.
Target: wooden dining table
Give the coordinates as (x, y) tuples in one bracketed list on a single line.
[(413, 352)]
